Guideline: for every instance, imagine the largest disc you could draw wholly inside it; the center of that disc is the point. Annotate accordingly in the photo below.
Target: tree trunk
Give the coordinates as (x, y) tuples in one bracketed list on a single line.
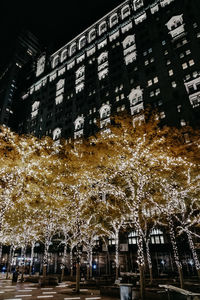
[(45, 260), (32, 256), (117, 255), (71, 262), (141, 264), (142, 282), (23, 251), (1, 249), (62, 274), (9, 261), (77, 277), (64, 263), (149, 261), (194, 253), (175, 252)]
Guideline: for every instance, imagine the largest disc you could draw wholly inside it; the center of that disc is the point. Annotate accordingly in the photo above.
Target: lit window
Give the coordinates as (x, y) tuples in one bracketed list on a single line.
[(163, 43), (82, 42), (149, 83), (182, 122), (125, 11), (191, 62), (113, 20), (102, 27), (171, 72), (157, 92), (72, 49), (92, 35), (174, 85), (179, 108), (188, 52), (181, 55), (111, 240), (184, 66), (168, 62), (166, 52), (133, 238), (146, 62), (157, 236), (155, 80)]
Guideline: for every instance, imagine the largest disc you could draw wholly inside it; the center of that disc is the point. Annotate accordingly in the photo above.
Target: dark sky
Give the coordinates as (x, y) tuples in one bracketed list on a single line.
[(54, 22)]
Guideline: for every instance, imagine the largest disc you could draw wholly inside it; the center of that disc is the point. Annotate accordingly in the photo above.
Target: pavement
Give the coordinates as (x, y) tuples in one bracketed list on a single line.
[(26, 290)]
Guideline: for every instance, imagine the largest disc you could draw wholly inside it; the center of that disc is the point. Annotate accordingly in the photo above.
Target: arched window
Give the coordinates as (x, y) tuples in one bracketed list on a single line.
[(79, 123), (137, 4), (102, 27), (102, 57), (55, 61), (82, 42), (92, 35), (63, 55), (128, 41), (60, 84), (133, 237), (125, 11), (72, 49), (80, 72), (56, 133), (174, 22), (136, 96), (105, 111), (113, 19)]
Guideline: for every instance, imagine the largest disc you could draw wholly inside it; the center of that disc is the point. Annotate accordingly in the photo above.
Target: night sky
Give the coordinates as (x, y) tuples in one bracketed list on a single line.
[(53, 22)]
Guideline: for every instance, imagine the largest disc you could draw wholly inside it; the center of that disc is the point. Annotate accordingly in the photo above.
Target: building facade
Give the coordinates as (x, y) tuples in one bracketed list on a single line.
[(17, 71), (141, 53)]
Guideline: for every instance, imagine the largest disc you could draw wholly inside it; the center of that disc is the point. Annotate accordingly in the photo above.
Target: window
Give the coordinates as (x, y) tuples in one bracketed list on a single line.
[(55, 61), (112, 240), (191, 62), (102, 27), (113, 20), (174, 85), (187, 52), (179, 108), (133, 238), (137, 4), (149, 83), (157, 92), (72, 49), (63, 55), (163, 43), (155, 80), (157, 236), (82, 42), (184, 66), (92, 35), (171, 72), (105, 111), (125, 11), (183, 122), (162, 115), (56, 134)]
